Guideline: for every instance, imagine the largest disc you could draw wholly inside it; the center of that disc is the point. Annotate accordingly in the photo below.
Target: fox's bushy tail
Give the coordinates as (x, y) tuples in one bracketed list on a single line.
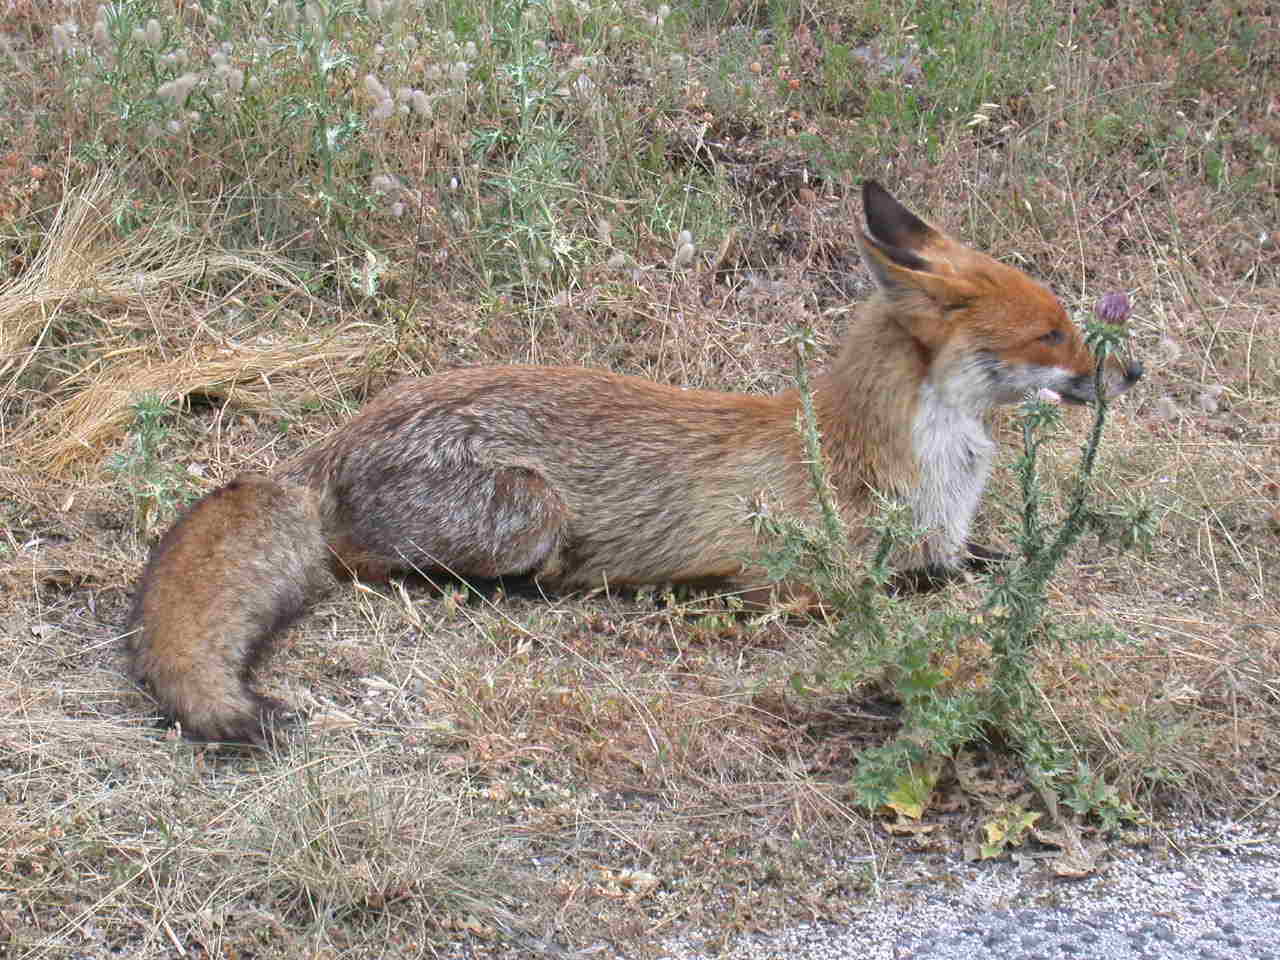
[(239, 566)]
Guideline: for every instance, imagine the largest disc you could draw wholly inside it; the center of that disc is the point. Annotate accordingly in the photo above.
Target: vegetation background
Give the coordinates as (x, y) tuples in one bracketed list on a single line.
[(225, 224)]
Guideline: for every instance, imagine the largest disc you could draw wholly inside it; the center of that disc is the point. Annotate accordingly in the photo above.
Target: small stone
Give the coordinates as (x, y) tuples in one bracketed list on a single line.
[(1168, 349), (1164, 410), (1213, 398)]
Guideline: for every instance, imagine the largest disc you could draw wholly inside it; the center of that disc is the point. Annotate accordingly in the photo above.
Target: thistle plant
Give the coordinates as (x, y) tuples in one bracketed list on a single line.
[(872, 635), (157, 488), (1017, 598)]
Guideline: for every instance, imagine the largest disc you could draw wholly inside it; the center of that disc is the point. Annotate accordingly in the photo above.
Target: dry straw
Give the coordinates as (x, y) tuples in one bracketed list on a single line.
[(245, 377), (87, 263), (86, 260)]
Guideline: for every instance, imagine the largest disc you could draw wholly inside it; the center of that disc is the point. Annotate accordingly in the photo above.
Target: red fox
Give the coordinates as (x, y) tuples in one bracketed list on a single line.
[(580, 478)]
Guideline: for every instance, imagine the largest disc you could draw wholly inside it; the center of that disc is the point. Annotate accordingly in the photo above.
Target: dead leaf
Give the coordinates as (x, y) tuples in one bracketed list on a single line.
[(907, 828)]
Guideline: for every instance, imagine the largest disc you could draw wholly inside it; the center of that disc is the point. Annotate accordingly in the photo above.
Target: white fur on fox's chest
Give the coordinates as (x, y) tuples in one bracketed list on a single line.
[(954, 451)]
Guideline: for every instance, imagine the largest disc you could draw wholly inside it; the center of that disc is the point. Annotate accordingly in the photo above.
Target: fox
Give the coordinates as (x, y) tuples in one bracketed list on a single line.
[(581, 478)]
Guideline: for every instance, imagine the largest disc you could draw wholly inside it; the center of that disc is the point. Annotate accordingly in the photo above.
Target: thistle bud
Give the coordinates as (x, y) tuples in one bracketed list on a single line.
[(1114, 308)]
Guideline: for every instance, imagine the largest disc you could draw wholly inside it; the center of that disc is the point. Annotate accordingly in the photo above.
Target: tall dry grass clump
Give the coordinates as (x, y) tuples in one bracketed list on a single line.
[(104, 315), (247, 377), (88, 260)]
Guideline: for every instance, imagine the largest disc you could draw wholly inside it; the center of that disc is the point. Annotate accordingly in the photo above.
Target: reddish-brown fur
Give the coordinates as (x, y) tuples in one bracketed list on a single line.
[(583, 477)]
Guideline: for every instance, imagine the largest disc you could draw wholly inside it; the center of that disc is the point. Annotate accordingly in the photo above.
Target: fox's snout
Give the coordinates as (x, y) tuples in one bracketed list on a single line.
[(1117, 377)]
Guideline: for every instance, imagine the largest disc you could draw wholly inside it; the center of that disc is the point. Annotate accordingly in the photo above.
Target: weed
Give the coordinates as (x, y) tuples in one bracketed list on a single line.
[(1007, 829), (156, 487)]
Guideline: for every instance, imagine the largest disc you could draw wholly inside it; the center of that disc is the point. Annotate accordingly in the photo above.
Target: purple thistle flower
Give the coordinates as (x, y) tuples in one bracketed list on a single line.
[(1114, 307)]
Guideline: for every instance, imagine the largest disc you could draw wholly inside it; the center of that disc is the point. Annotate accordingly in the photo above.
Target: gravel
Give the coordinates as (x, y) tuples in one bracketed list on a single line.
[(1220, 902)]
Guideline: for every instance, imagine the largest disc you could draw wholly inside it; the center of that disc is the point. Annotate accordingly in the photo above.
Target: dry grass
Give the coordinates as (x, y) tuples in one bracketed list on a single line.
[(518, 773), (98, 413), (88, 263)]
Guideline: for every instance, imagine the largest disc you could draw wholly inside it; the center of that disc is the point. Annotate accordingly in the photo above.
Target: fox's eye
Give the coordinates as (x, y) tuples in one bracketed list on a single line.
[(1053, 337)]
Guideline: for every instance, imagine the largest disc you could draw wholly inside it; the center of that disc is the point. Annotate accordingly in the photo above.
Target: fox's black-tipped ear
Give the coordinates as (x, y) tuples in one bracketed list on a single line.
[(893, 237), (892, 224), (907, 256)]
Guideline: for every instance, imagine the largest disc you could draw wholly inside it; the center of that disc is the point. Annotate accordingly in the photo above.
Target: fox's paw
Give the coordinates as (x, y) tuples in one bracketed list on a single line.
[(921, 580), (978, 557), (251, 721)]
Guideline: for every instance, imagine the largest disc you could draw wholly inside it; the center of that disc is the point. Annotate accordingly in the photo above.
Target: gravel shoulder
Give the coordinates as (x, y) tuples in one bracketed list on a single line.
[(1214, 894)]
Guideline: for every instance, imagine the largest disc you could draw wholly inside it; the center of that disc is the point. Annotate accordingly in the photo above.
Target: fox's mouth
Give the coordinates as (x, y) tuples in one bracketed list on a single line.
[(1083, 389), (1067, 396), (1074, 397)]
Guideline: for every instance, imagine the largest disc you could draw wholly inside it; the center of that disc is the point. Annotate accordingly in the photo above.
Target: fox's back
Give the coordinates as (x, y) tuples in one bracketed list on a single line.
[(656, 482)]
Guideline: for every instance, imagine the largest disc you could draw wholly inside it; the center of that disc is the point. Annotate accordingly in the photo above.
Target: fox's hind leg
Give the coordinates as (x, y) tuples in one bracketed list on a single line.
[(464, 519), (230, 574)]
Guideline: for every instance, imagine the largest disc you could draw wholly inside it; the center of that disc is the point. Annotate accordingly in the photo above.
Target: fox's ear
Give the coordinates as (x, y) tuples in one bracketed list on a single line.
[(891, 266), (906, 254), (892, 224)]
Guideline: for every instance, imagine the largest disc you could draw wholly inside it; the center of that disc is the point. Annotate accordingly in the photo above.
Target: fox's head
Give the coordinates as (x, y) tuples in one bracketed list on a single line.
[(989, 333)]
